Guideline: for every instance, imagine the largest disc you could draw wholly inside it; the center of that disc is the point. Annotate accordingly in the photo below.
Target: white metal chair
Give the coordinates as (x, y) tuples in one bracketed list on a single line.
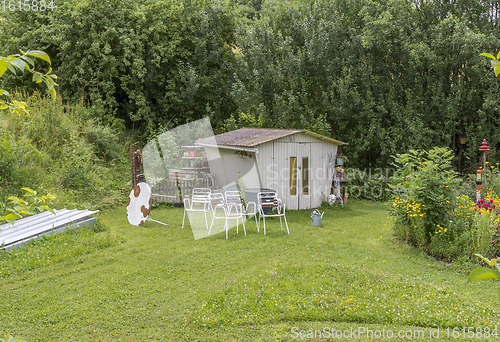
[(220, 210), (235, 198), (268, 202), (200, 202)]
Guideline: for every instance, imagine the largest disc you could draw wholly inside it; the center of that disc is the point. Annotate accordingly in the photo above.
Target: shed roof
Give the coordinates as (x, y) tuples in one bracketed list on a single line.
[(251, 137)]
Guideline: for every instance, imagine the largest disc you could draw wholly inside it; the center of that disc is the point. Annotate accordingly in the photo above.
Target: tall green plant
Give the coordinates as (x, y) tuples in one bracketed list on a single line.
[(428, 181)]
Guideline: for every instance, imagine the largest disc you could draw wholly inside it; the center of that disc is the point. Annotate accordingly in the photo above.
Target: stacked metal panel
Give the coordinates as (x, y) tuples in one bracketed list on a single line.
[(32, 227)]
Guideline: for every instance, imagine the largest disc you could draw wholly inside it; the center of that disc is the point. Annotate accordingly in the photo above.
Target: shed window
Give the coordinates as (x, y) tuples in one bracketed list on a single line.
[(293, 176), (305, 176)]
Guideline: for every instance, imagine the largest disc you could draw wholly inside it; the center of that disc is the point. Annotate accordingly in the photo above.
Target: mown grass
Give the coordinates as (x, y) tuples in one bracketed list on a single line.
[(159, 284)]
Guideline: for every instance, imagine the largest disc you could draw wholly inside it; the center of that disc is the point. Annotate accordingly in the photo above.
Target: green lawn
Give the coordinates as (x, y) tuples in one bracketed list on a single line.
[(157, 283)]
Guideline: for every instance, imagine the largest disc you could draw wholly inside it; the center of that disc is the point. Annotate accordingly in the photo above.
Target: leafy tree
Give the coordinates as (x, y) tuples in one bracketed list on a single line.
[(150, 64), (384, 76)]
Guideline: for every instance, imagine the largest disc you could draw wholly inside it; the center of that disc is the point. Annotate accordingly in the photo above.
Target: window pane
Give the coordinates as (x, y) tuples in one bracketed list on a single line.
[(305, 176), (293, 176)]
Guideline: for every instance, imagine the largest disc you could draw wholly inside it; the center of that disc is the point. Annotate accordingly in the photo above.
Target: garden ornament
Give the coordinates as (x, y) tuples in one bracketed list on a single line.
[(139, 205)]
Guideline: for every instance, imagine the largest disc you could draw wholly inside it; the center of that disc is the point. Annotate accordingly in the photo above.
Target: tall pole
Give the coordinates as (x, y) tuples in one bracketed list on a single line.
[(484, 148), (478, 182)]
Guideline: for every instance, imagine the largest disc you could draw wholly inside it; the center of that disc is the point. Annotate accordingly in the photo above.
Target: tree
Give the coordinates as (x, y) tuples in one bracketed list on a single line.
[(148, 64)]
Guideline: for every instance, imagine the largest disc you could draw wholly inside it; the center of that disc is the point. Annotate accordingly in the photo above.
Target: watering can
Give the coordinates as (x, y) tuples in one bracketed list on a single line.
[(316, 217)]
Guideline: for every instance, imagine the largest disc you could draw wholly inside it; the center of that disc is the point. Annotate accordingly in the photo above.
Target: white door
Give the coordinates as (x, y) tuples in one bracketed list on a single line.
[(295, 172)]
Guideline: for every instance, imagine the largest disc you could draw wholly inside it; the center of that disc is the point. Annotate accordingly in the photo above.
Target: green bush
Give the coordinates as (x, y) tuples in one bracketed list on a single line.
[(103, 140), (63, 149), (16, 152), (367, 184), (451, 242), (433, 215), (428, 182), (131, 66)]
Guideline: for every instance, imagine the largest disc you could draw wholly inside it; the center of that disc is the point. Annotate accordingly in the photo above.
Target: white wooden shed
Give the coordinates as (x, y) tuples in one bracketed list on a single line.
[(298, 164)]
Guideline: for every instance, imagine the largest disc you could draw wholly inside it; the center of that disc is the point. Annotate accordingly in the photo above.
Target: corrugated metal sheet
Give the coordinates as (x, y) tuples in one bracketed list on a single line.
[(250, 137), (34, 226)]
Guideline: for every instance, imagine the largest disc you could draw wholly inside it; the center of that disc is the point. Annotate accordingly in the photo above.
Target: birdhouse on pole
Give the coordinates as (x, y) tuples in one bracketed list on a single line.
[(483, 148)]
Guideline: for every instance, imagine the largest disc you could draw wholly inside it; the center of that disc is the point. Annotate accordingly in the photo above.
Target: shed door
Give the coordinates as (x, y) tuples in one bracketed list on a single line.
[(296, 185)]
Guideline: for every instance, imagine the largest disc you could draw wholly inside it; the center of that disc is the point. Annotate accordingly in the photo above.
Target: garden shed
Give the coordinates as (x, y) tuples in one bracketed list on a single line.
[(298, 164)]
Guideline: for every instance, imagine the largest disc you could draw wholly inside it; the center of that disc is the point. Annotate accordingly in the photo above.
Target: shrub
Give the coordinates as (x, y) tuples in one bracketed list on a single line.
[(15, 152), (369, 185), (428, 182), (121, 57), (29, 206), (63, 149), (430, 213), (103, 140)]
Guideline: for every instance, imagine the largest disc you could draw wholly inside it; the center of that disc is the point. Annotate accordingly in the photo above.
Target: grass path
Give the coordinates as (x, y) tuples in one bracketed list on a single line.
[(159, 284)]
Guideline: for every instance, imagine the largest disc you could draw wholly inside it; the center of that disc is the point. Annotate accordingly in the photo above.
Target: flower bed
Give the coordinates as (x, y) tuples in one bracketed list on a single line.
[(430, 213)]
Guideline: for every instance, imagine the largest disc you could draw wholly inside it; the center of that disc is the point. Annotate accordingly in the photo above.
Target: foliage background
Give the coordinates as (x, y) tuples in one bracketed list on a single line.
[(63, 150), (384, 76)]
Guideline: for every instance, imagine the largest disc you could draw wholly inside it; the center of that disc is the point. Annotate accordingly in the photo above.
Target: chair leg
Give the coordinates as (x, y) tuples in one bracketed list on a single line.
[(281, 224), (243, 222), (227, 229), (264, 219), (206, 222), (286, 225), (211, 225), (183, 218)]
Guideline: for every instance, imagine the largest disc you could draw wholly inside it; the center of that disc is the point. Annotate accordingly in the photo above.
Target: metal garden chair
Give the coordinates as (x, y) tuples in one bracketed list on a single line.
[(235, 198), (221, 210), (271, 206), (200, 202)]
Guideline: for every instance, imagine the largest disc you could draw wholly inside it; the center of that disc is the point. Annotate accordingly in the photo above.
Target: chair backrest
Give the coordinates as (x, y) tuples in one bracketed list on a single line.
[(233, 198), (201, 195), (267, 199), (217, 200), (202, 191)]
